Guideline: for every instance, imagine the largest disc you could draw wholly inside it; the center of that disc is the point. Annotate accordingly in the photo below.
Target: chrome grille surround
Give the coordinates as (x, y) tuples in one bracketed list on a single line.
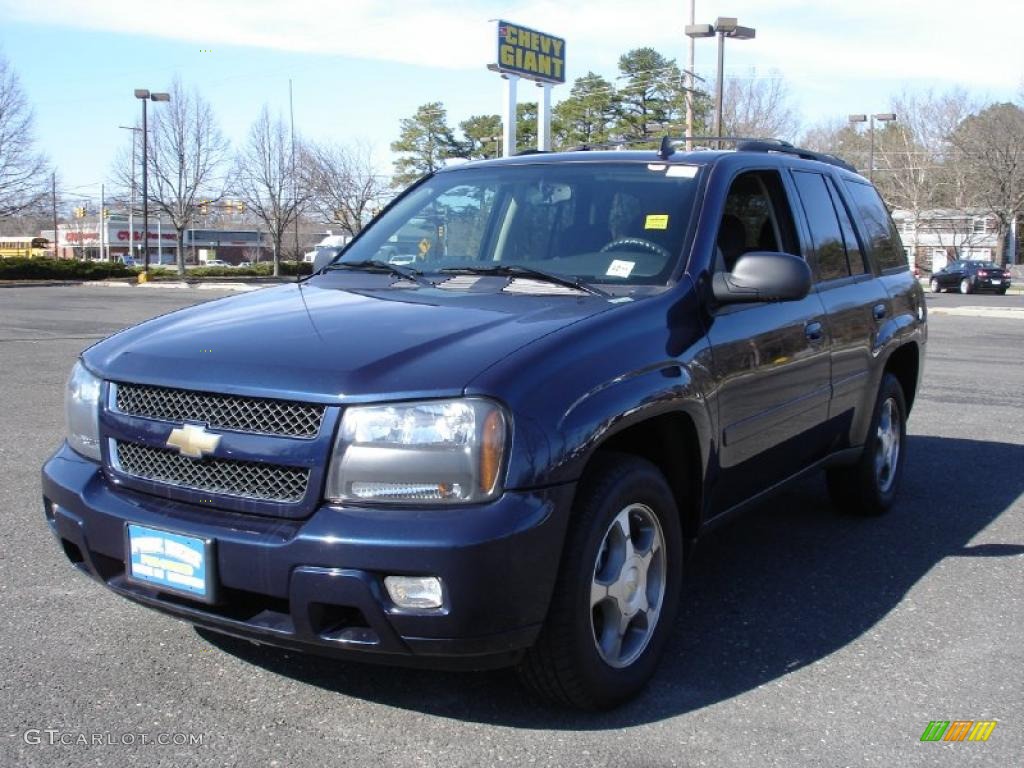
[(227, 477), (242, 414)]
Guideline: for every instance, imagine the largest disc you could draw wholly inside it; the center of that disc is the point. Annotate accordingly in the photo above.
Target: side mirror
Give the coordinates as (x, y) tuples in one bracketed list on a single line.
[(763, 276), (324, 256)]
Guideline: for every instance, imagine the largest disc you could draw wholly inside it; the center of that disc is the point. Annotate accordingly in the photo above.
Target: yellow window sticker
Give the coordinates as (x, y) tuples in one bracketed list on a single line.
[(656, 221)]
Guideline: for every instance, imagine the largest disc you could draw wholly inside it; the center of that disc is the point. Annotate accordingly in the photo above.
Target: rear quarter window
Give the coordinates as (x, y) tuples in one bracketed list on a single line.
[(883, 241)]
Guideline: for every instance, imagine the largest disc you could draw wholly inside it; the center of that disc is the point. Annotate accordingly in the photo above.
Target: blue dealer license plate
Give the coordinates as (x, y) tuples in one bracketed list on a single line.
[(170, 561)]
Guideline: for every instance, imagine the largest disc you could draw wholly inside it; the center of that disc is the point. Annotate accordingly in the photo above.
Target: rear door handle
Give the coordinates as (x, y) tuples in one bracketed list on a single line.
[(814, 331), (879, 311)]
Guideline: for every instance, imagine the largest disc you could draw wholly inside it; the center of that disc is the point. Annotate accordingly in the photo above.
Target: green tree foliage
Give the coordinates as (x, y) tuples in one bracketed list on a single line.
[(482, 137), (652, 101), (587, 116), (425, 143), (526, 126)]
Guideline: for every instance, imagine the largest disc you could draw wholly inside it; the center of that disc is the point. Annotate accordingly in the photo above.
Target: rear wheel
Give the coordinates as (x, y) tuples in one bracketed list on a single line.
[(1002, 291), (934, 286), (617, 591), (869, 487), (965, 286)]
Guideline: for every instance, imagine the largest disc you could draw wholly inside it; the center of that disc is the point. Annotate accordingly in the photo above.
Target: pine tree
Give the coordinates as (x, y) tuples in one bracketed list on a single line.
[(653, 99), (426, 142), (482, 137), (588, 114)]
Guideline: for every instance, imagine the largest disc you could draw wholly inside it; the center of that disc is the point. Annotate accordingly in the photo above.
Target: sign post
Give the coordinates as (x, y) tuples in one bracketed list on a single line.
[(538, 56), (508, 116)]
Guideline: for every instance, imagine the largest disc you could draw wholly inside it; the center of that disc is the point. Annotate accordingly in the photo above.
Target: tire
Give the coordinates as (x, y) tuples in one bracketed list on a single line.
[(869, 487), (965, 286), (1002, 291), (934, 286), (582, 658)]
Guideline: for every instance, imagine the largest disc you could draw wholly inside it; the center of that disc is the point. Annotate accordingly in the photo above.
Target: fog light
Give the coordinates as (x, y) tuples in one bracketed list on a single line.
[(414, 591)]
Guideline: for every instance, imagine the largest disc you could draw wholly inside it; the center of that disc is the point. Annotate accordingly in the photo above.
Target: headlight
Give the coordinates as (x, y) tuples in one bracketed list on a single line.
[(82, 405), (434, 452)]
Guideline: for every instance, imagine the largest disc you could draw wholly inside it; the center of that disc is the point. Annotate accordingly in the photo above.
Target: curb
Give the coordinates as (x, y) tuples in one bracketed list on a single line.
[(179, 286), (1003, 313)]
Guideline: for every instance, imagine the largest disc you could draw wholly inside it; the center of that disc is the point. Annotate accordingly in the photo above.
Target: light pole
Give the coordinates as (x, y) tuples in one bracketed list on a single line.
[(724, 26), (146, 96), (882, 117)]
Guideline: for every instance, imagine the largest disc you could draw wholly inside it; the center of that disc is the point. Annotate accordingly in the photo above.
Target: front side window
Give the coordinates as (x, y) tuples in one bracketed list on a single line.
[(757, 217), (617, 223)]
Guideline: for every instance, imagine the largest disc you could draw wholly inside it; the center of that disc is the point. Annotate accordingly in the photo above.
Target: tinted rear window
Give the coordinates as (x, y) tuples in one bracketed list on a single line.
[(883, 240)]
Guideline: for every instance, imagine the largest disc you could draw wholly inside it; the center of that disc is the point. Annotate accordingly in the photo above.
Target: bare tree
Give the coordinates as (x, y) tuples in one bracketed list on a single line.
[(991, 146), (913, 154), (264, 181), (343, 186), (759, 107), (24, 176), (186, 153)]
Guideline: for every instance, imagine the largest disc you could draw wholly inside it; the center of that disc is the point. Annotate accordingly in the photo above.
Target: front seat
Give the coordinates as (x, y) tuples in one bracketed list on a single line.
[(732, 242)]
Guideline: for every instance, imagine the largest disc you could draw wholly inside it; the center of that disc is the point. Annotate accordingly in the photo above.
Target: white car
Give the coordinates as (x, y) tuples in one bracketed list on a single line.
[(216, 263)]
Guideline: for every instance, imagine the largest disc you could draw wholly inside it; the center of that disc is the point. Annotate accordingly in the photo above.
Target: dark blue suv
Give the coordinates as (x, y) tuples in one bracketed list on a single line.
[(500, 449)]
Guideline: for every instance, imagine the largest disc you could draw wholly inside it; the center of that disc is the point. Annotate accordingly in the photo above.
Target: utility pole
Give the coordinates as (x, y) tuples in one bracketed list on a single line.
[(131, 207), (53, 180), (295, 191), (690, 79)]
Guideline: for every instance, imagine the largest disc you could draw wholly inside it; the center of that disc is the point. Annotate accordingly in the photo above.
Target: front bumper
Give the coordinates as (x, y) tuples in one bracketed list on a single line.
[(316, 584)]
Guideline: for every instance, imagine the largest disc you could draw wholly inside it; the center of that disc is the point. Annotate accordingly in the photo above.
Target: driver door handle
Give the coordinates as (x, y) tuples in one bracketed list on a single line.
[(879, 311), (814, 331)]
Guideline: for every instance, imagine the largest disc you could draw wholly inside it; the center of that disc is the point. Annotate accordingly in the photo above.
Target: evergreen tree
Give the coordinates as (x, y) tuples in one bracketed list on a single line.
[(482, 137), (653, 99), (588, 114), (425, 142), (526, 126)]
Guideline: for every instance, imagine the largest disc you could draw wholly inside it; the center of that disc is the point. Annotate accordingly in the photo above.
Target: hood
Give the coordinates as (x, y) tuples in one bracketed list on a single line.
[(341, 337)]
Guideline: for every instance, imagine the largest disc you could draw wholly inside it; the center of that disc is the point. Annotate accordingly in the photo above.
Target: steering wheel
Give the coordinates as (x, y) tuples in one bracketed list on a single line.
[(632, 243)]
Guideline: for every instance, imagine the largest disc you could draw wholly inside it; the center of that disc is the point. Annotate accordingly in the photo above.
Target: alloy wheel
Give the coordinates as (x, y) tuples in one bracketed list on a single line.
[(628, 585)]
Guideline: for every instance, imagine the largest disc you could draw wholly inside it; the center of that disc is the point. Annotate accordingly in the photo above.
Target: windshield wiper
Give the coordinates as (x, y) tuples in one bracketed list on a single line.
[(376, 265), (517, 270)]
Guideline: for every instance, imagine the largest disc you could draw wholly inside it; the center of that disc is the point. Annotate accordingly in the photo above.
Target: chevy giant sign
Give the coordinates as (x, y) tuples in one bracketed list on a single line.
[(530, 54)]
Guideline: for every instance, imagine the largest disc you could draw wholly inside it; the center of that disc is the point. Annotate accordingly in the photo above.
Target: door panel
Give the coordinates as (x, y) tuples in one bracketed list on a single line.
[(772, 393)]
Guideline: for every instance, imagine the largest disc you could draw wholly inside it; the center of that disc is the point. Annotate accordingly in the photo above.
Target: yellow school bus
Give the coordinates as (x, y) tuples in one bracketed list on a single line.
[(27, 247)]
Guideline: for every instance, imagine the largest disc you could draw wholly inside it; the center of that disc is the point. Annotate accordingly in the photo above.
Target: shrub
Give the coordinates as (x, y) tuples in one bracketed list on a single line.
[(20, 268)]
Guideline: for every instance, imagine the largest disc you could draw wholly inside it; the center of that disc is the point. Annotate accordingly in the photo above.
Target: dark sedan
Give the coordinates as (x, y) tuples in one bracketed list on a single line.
[(971, 277)]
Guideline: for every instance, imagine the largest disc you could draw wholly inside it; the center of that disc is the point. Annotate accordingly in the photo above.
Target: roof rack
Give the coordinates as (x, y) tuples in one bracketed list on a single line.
[(748, 144)]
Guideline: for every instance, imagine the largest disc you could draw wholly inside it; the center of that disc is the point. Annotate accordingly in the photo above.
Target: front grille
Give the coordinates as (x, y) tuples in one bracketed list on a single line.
[(244, 414), (244, 479)]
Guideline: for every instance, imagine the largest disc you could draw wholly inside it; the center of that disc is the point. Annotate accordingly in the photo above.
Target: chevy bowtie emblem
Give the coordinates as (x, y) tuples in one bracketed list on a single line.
[(193, 441)]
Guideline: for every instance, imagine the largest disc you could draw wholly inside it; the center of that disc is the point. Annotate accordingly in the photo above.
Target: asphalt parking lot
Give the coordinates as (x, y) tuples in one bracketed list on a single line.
[(806, 638)]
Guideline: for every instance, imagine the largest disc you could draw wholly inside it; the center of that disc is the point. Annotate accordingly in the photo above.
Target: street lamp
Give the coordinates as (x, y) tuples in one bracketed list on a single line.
[(882, 117), (724, 26), (146, 97)]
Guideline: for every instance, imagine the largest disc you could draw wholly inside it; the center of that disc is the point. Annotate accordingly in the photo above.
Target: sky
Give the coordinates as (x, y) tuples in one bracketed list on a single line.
[(358, 67)]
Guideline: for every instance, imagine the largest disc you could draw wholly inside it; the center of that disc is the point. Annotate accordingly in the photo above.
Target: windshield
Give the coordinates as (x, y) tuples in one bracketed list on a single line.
[(612, 223)]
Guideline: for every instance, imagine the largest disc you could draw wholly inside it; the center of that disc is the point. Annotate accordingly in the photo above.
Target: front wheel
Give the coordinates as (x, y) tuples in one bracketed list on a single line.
[(965, 286), (869, 487), (934, 286), (617, 591)]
